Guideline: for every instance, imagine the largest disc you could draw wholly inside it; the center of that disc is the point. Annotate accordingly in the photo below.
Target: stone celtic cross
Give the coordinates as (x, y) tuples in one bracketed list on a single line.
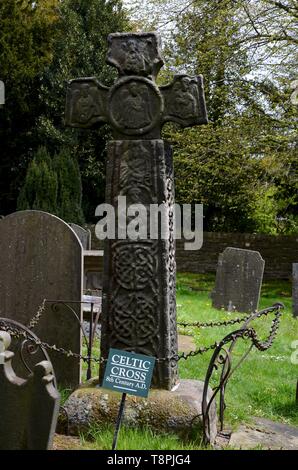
[(139, 294)]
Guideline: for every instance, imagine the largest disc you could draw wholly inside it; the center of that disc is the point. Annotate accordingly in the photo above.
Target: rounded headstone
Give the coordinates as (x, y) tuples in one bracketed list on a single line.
[(41, 257)]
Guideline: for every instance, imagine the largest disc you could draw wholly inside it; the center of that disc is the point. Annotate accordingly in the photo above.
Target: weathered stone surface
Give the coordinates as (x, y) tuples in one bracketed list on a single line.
[(163, 410), (265, 434), (62, 442), (28, 408), (135, 53), (83, 235), (41, 258), (238, 280), (139, 308), (186, 343), (295, 289), (93, 269)]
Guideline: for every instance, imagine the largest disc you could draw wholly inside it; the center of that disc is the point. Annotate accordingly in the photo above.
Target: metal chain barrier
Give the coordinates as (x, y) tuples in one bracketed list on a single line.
[(17, 333), (246, 333), (213, 324), (234, 321)]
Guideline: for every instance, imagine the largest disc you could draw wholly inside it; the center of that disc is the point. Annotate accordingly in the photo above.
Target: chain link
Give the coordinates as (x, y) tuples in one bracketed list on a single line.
[(17, 333), (245, 333), (34, 321), (234, 321), (213, 324)]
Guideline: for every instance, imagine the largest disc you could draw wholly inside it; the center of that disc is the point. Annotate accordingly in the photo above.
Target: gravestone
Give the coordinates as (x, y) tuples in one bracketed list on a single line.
[(28, 408), (93, 268), (41, 258), (238, 282), (295, 289), (84, 236), (139, 307)]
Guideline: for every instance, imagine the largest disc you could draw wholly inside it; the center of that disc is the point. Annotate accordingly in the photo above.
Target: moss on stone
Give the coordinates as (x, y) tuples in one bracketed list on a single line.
[(161, 411)]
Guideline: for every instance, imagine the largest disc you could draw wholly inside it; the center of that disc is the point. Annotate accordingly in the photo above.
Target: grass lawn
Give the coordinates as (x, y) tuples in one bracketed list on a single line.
[(265, 383), (263, 386)]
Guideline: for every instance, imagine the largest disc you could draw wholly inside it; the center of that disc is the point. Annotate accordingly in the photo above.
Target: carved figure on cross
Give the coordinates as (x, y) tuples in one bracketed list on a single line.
[(135, 105)]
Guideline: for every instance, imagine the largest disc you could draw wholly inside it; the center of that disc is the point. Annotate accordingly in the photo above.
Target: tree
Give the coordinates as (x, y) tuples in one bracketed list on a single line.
[(80, 51), (53, 184), (43, 44), (40, 189), (26, 36), (69, 197), (245, 160)]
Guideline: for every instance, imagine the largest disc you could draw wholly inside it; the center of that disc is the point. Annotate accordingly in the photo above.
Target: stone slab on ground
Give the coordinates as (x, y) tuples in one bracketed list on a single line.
[(265, 434), (175, 411), (186, 343), (62, 442)]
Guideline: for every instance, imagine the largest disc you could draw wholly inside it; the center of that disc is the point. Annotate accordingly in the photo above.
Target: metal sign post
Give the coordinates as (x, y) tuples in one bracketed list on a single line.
[(118, 422), (128, 373)]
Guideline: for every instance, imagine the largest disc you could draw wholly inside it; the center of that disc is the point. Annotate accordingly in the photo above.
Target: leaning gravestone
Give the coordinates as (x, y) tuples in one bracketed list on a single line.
[(295, 289), (28, 408), (41, 258), (238, 282), (84, 235)]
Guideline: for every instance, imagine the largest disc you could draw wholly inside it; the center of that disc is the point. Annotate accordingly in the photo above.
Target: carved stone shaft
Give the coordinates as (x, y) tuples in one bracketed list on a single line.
[(139, 308)]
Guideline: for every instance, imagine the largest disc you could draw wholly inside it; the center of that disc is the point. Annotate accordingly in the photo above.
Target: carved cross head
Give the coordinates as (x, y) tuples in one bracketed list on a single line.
[(135, 107)]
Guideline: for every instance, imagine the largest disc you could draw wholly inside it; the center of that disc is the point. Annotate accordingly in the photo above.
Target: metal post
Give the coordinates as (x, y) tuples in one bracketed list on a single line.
[(118, 422), (89, 372)]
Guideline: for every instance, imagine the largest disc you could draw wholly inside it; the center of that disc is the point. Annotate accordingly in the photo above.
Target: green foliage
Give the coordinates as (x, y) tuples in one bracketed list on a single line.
[(80, 51), (53, 185), (26, 37), (271, 393), (243, 165), (265, 211), (133, 438), (41, 186), (44, 44), (69, 197), (221, 176)]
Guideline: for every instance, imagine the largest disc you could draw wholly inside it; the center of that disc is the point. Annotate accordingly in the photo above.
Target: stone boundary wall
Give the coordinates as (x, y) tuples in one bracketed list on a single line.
[(279, 252)]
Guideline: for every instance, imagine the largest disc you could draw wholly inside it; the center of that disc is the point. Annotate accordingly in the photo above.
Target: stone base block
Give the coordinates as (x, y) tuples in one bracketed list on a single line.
[(176, 411)]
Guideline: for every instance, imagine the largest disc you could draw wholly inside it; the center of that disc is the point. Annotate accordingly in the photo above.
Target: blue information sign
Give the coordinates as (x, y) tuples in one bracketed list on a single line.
[(128, 372)]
